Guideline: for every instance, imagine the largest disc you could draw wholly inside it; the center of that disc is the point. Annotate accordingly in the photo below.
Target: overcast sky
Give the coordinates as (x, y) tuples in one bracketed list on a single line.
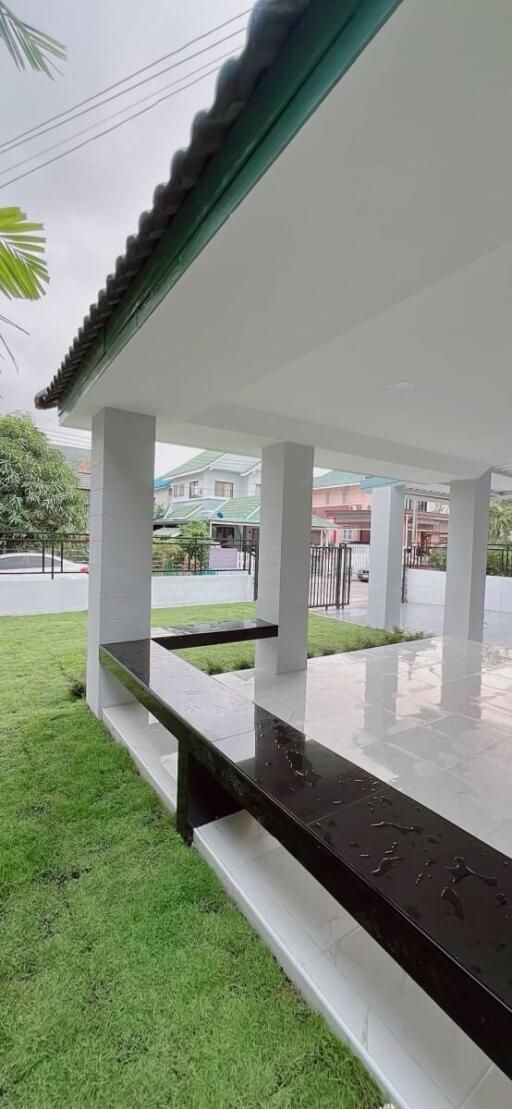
[(90, 201)]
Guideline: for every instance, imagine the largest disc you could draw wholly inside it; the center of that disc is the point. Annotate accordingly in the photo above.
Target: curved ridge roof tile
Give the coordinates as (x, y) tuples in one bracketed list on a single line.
[(269, 26)]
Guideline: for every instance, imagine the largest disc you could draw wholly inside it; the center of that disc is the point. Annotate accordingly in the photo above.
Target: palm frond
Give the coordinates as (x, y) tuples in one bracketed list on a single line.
[(23, 270), (4, 343), (27, 45)]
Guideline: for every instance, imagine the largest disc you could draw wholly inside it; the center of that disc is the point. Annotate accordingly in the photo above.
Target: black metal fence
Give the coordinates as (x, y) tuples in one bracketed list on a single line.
[(43, 554), (330, 567), (69, 554), (194, 555), (330, 576), (425, 558), (499, 559)]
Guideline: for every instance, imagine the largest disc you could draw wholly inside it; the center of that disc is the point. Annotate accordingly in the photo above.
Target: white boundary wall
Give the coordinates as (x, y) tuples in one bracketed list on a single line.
[(35, 594), (427, 587)]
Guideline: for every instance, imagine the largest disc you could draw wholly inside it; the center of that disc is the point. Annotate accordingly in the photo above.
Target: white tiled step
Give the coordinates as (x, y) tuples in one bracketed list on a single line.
[(152, 747), (419, 1056)]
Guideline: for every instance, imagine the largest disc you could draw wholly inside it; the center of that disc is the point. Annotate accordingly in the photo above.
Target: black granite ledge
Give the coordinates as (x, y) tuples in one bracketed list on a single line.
[(221, 631), (438, 899)]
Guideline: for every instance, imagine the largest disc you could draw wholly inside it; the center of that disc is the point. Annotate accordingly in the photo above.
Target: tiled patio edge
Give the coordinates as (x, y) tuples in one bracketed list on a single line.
[(125, 725)]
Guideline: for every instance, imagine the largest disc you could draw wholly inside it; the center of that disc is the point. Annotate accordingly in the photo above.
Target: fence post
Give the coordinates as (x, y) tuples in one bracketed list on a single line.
[(347, 576), (338, 574), (256, 569)]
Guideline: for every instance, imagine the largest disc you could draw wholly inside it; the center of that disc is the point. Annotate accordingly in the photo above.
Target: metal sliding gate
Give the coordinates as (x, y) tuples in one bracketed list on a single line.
[(329, 576)]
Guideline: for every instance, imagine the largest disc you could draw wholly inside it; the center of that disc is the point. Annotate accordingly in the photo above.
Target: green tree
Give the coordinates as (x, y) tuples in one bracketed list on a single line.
[(23, 271), (193, 545), (38, 492), (500, 521)]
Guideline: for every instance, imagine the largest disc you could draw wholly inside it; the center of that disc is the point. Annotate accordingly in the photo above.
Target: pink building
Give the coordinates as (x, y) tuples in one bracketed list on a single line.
[(337, 496)]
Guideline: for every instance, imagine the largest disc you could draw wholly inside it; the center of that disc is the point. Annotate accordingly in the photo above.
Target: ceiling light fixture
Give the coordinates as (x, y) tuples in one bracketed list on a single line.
[(402, 385)]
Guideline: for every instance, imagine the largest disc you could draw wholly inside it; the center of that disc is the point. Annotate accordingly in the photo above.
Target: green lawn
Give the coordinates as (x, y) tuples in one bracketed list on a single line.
[(127, 978), (326, 637)]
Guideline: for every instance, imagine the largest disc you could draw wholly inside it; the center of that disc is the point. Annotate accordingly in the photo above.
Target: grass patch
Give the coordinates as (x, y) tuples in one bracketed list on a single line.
[(127, 977), (325, 637)]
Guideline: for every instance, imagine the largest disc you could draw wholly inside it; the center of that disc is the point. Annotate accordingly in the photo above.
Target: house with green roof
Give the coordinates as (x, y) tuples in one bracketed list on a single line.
[(222, 490), (209, 474)]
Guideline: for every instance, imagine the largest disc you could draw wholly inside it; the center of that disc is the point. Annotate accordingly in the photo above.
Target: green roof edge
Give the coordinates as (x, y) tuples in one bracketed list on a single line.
[(193, 466), (336, 477), (321, 47)]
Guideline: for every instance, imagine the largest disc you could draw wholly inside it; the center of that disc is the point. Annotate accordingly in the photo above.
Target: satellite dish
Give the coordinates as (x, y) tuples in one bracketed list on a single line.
[(220, 515)]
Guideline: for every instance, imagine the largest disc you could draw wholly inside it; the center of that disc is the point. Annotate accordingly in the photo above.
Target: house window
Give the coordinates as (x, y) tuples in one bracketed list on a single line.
[(224, 489), (258, 488), (348, 534), (194, 490)]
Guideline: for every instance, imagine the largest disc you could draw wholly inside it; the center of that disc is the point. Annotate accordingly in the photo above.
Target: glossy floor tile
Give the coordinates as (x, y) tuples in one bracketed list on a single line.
[(433, 718), (425, 618)]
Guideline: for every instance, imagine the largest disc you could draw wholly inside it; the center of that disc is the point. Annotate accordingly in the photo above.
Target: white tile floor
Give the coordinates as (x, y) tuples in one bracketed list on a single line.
[(421, 617), (432, 717)]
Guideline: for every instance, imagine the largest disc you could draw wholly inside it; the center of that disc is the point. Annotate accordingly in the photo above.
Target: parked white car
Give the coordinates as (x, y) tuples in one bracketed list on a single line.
[(31, 562)]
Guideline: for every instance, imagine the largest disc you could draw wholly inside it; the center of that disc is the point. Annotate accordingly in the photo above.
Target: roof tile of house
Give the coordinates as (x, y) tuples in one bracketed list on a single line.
[(79, 461), (336, 477), (199, 509), (195, 465), (74, 456), (235, 510), (240, 510), (207, 460)]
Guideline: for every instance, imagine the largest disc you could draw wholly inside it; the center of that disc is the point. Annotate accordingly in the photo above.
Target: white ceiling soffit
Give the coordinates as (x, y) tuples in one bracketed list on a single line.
[(377, 249)]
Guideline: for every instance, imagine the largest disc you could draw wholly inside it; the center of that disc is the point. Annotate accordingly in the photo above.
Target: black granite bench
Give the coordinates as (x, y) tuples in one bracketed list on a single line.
[(435, 897), (204, 634)]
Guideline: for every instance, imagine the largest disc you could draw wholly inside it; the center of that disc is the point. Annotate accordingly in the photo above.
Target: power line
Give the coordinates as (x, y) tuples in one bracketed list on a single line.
[(99, 122), (107, 131), (172, 53), (115, 95)]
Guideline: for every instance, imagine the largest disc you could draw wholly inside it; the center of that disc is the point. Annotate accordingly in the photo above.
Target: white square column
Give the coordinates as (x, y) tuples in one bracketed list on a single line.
[(386, 541), (121, 536), (468, 536), (285, 544)]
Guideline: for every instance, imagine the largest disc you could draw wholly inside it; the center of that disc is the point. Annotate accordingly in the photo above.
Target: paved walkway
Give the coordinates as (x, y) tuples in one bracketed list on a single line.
[(418, 617)]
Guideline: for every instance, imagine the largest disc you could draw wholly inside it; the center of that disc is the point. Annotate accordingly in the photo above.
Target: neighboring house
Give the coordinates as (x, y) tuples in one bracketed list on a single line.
[(223, 491), (234, 520), (79, 461), (210, 474), (83, 477), (338, 497)]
